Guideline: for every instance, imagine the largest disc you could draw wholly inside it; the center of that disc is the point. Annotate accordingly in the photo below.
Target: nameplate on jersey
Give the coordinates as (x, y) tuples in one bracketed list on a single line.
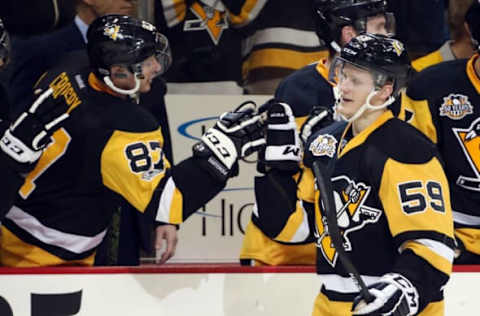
[(62, 86)]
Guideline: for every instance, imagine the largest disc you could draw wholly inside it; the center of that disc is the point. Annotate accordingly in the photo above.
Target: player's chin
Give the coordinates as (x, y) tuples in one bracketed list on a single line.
[(343, 111)]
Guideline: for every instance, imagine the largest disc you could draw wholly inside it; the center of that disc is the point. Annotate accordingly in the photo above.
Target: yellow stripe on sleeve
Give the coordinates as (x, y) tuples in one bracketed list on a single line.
[(438, 262)]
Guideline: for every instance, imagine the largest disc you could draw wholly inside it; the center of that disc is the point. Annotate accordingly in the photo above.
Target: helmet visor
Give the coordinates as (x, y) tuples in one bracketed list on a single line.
[(163, 52), (337, 74), (382, 23)]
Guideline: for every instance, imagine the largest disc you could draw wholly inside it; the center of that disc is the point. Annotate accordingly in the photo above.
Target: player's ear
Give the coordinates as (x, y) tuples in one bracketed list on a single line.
[(386, 91)]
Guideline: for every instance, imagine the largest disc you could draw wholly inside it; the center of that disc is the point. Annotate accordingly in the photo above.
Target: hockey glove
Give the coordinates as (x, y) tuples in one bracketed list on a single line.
[(318, 118), (394, 296), (282, 151), (25, 139), (236, 134)]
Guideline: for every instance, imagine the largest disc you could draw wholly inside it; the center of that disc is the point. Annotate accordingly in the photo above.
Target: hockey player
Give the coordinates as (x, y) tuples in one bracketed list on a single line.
[(39, 116), (337, 23), (111, 148), (444, 100), (391, 194)]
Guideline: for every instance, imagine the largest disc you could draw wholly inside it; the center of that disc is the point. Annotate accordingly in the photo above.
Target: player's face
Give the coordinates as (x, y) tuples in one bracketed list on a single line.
[(377, 25), (150, 69), (103, 7), (355, 84)]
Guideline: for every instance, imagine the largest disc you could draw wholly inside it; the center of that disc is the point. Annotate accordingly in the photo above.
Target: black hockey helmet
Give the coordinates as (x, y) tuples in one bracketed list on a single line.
[(473, 20), (4, 45), (384, 57), (332, 15), (123, 40)]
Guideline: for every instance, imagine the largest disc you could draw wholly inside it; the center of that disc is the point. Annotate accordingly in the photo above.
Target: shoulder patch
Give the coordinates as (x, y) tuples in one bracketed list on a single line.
[(456, 106), (323, 145)]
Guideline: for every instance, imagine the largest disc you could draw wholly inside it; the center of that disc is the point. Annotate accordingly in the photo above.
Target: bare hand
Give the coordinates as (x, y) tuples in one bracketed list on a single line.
[(168, 233)]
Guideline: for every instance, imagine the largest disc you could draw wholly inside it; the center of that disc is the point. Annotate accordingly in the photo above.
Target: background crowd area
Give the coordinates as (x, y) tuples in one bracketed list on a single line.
[(233, 53)]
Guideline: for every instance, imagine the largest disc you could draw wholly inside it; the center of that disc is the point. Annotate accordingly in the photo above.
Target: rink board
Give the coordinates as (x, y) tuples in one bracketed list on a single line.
[(176, 290)]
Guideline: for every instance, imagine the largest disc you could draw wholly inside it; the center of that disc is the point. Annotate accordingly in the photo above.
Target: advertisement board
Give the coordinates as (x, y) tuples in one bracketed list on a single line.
[(203, 292), (215, 232)]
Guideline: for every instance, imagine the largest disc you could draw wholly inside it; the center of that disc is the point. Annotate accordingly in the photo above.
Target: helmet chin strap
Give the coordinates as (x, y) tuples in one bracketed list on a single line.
[(368, 105), (132, 92)]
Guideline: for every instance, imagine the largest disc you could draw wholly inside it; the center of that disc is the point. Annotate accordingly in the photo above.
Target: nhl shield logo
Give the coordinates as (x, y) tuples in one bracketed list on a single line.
[(324, 145), (456, 106)]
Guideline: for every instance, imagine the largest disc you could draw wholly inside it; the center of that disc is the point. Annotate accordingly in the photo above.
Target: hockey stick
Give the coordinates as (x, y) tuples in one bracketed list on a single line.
[(326, 199)]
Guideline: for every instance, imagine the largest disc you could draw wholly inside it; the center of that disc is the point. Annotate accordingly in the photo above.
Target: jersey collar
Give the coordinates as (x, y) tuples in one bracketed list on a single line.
[(472, 75), (323, 70), (360, 138), (98, 85)]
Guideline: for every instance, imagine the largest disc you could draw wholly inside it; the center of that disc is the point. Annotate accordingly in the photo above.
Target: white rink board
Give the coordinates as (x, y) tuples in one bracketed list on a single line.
[(209, 294), (217, 235)]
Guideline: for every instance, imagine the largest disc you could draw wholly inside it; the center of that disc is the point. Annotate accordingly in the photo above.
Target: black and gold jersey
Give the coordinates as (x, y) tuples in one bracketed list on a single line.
[(277, 234), (208, 43), (444, 100), (11, 180), (109, 149), (393, 210), (280, 40), (306, 88)]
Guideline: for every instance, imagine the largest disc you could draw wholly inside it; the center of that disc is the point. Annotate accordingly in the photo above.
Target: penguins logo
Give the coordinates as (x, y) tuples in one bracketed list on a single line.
[(323, 145), (211, 19), (352, 215), (112, 31), (470, 142)]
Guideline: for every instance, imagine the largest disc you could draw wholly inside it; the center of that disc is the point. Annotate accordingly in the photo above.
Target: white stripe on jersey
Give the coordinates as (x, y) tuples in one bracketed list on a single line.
[(170, 12), (303, 230), (281, 35), (336, 283), (71, 242), (465, 219), (163, 212), (439, 248)]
